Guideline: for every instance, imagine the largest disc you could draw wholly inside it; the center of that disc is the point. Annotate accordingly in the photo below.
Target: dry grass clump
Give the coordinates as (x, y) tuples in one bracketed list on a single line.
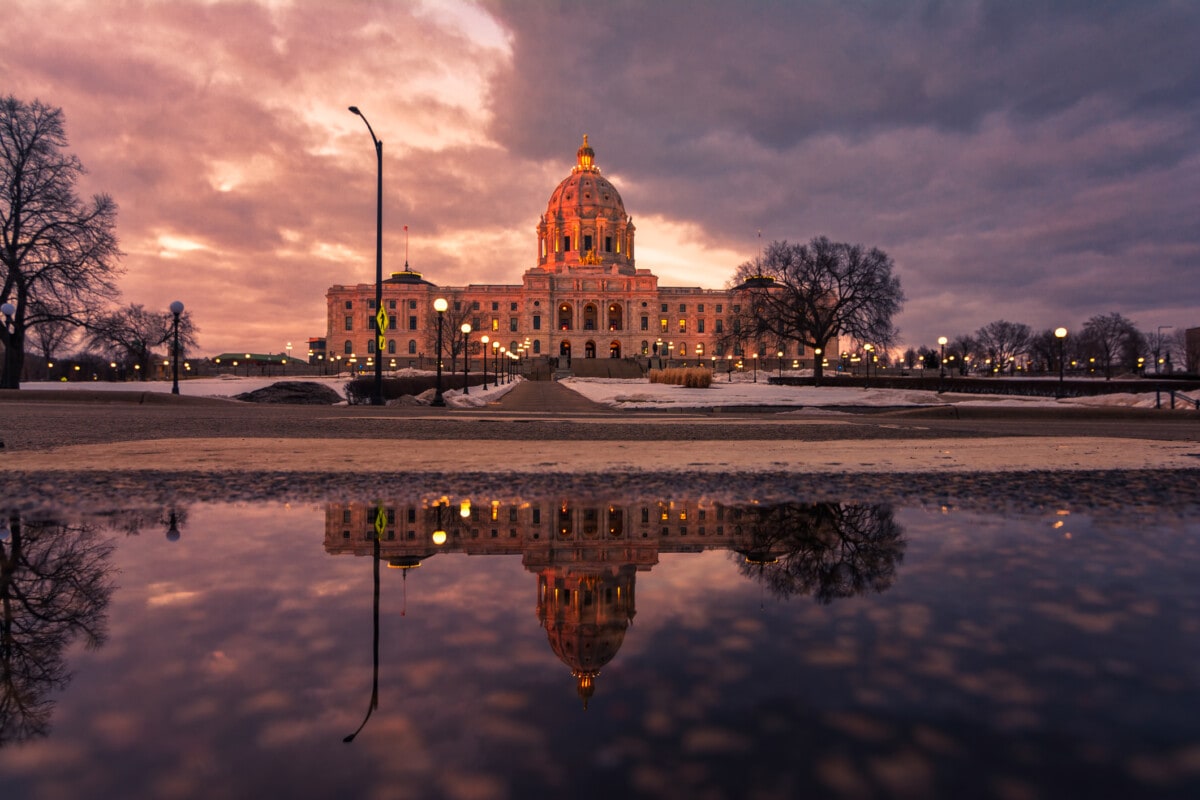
[(691, 377)]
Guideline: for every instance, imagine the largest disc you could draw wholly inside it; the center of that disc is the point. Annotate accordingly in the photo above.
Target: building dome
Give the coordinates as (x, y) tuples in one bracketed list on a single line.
[(585, 223)]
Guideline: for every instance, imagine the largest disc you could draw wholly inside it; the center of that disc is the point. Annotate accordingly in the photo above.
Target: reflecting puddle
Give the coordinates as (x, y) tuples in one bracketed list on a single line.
[(465, 647)]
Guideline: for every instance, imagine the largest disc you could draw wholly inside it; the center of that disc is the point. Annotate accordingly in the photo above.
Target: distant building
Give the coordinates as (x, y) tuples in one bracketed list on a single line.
[(584, 298), (316, 350)]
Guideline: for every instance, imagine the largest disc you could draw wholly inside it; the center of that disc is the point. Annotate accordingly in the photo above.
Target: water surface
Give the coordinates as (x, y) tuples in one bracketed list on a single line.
[(665, 648)]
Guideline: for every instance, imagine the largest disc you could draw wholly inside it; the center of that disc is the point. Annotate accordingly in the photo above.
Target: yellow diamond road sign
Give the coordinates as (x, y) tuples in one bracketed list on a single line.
[(380, 522), (381, 323)]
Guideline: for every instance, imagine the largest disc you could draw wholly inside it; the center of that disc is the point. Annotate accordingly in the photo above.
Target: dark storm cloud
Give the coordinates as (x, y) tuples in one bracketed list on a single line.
[(1031, 160)]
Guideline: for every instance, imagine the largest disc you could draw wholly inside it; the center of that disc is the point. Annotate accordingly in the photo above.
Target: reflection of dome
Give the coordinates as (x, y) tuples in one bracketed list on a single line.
[(585, 221), (585, 617)]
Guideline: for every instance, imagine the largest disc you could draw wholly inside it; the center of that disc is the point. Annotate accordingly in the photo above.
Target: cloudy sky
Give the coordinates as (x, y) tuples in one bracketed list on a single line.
[(1031, 161)]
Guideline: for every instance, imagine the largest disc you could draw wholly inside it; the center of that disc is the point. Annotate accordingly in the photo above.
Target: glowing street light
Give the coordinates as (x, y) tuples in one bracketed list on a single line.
[(1061, 335), (439, 305), (466, 332), (176, 310)]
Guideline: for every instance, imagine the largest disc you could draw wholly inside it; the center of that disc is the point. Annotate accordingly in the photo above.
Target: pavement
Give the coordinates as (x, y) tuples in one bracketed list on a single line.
[(543, 438)]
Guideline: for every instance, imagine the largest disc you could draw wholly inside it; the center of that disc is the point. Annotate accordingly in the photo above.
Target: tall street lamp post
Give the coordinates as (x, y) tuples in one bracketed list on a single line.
[(380, 329), (942, 358), (483, 340), (496, 360), (1061, 335), (466, 332), (779, 355), (440, 305), (176, 310), (868, 349)]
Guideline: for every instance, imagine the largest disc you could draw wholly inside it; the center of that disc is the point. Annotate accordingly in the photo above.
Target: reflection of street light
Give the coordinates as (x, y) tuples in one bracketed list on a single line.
[(466, 332), (380, 334), (176, 310), (1061, 335), (439, 305)]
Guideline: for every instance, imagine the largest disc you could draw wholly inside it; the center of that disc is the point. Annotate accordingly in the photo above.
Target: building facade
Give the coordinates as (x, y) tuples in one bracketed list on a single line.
[(584, 297)]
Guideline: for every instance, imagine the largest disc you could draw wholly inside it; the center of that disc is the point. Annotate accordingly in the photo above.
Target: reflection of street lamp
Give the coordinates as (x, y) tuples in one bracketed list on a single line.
[(176, 310), (1061, 335), (439, 305), (380, 332), (466, 332)]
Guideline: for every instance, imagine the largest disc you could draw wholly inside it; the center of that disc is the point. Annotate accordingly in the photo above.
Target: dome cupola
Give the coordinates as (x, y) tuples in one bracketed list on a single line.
[(585, 224)]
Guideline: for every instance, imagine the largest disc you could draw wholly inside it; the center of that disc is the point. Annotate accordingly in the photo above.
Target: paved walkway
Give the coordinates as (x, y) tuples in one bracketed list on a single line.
[(547, 397)]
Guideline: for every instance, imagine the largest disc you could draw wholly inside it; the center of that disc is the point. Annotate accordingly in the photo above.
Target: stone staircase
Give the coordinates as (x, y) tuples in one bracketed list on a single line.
[(626, 368)]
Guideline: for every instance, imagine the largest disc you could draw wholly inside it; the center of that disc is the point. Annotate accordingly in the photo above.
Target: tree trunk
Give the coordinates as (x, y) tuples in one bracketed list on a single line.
[(14, 361)]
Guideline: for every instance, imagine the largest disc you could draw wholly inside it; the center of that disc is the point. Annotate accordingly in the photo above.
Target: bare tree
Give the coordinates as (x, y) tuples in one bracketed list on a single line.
[(1002, 341), (52, 335), (812, 293), (825, 550), (54, 588), (962, 348), (56, 252), (1111, 337), (1159, 344), (130, 334), (458, 312)]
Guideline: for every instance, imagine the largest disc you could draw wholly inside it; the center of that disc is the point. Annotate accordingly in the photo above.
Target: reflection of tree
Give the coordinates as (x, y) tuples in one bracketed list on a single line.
[(132, 521), (54, 586), (826, 550)]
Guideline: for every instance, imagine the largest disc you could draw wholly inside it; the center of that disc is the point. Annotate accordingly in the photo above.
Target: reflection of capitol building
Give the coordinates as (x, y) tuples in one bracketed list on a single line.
[(586, 555)]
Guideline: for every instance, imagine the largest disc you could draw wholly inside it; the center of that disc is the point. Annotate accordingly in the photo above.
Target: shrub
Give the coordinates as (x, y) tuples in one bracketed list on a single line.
[(690, 377)]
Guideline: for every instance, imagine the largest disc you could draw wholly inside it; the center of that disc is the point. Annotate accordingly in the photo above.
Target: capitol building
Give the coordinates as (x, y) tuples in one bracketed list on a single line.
[(584, 298)]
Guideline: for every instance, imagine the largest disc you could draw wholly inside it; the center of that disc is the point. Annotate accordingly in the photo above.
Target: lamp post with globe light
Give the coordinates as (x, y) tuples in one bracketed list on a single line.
[(1061, 335), (176, 310), (483, 340), (466, 332), (439, 305)]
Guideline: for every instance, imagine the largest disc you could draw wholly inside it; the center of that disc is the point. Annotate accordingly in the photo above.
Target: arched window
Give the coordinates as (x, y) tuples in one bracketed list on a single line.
[(589, 317), (614, 316), (537, 347), (391, 347), (412, 347), (371, 345), (348, 347), (564, 317)]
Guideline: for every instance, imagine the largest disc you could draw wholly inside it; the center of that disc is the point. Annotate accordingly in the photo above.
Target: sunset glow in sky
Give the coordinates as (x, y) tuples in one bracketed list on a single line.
[(1033, 162)]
